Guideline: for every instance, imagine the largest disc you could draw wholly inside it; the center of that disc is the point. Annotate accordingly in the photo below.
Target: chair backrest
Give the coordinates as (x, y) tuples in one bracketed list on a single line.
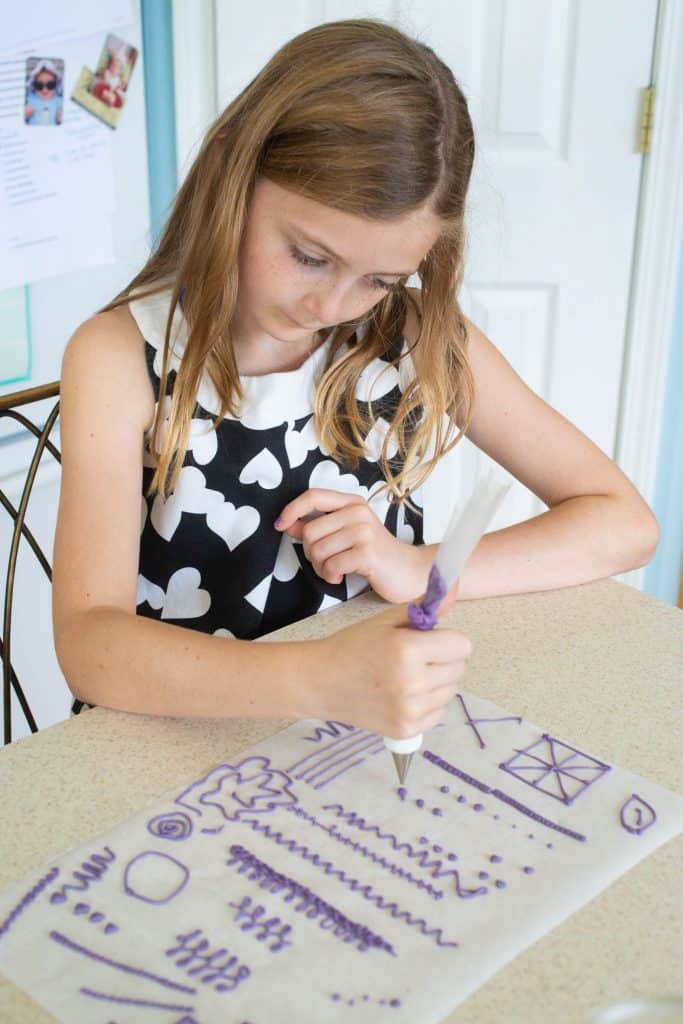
[(9, 410)]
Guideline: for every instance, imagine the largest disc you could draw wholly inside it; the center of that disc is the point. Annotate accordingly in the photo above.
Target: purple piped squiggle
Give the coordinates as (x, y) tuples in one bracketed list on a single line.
[(26, 900), (93, 869), (366, 891), (394, 869), (312, 905), (424, 615)]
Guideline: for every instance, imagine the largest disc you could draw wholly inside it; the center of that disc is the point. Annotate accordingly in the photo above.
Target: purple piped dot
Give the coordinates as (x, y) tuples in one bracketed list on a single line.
[(500, 884), (382, 1002), (395, 1003), (452, 856), (420, 802), (437, 848), (423, 840), (352, 1002), (549, 846), (402, 792), (335, 997), (96, 917), (528, 870), (530, 836), (109, 929), (462, 799), (513, 825), (437, 812), (81, 908), (444, 790), (478, 807), (484, 875), (496, 817), (495, 858), (58, 897), (365, 998)]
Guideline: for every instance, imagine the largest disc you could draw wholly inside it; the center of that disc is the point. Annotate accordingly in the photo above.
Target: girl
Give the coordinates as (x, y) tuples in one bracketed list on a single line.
[(277, 397)]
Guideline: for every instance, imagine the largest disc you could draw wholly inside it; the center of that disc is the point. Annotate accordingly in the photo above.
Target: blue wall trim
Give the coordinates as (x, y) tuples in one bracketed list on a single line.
[(662, 576), (157, 41)]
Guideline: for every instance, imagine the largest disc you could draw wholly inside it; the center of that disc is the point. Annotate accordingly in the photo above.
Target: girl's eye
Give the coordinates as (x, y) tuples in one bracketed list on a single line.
[(310, 261)]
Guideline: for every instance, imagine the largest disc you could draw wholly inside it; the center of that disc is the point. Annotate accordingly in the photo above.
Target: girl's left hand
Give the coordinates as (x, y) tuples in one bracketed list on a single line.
[(341, 534)]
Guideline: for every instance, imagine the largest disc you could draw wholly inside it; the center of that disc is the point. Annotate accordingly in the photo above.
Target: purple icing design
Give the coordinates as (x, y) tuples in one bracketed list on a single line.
[(366, 891), (96, 917), (331, 728), (393, 1003), (131, 1001), (327, 763), (636, 815), (435, 868), (394, 869), (192, 953), (510, 801), (252, 784), (307, 903), (424, 615), (106, 961), (92, 870), (251, 914), (474, 722), (155, 877), (555, 768), (28, 899), (176, 826)]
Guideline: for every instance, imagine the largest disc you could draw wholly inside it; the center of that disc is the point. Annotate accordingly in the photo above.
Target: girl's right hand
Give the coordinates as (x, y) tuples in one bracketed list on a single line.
[(384, 676)]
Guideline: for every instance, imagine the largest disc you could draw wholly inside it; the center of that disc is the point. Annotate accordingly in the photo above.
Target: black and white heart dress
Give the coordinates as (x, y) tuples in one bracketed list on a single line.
[(210, 557)]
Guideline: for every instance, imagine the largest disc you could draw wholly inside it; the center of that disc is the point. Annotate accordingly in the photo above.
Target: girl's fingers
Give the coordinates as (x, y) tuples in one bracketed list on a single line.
[(314, 500)]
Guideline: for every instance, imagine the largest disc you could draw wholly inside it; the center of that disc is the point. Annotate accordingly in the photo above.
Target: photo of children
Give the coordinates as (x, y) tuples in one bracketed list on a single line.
[(44, 97), (102, 92)]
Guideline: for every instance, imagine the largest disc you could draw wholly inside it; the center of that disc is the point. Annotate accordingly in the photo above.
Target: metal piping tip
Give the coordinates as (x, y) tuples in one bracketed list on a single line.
[(402, 762)]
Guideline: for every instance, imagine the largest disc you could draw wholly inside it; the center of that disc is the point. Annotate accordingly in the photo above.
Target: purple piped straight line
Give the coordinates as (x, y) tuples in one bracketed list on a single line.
[(266, 876), (537, 817), (324, 750), (330, 759), (340, 757), (130, 1001), (361, 760), (452, 770), (62, 940), (26, 900), (470, 721)]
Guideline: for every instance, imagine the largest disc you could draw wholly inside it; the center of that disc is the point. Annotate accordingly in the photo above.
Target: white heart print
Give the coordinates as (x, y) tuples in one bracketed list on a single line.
[(233, 524), (184, 598), (263, 469)]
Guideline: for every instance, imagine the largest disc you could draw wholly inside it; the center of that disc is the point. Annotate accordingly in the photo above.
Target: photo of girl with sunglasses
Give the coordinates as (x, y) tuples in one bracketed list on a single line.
[(44, 91)]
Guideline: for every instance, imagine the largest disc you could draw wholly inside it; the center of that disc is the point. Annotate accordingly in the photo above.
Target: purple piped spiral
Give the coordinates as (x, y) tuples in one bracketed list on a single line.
[(424, 615)]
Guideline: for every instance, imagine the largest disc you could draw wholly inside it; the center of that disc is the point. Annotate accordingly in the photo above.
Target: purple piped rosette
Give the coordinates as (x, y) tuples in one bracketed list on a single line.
[(424, 615)]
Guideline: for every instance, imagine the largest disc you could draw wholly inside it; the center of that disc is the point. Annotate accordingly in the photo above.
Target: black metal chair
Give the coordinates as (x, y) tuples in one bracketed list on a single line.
[(9, 409)]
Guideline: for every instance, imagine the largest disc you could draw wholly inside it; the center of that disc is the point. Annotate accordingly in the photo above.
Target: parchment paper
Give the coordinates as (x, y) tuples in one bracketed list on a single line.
[(297, 881)]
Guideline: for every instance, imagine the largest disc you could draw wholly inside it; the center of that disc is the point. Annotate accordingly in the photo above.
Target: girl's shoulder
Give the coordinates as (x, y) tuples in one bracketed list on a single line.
[(105, 361)]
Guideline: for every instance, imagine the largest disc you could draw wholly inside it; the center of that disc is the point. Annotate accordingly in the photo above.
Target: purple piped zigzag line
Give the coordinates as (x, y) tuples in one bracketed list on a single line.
[(353, 883), (452, 770), (332, 831), (421, 856), (312, 904), (27, 899), (63, 940)]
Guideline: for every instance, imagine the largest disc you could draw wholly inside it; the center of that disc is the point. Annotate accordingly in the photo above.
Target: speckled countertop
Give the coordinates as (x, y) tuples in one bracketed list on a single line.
[(601, 665)]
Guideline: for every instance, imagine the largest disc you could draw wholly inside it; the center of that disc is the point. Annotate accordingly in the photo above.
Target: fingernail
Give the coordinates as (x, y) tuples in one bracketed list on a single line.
[(278, 522)]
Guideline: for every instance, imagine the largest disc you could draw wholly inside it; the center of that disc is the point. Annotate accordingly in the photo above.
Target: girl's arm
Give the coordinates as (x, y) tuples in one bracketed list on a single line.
[(596, 525), (376, 674)]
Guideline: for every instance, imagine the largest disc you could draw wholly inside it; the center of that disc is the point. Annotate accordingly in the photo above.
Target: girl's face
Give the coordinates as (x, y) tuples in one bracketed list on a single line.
[(304, 266)]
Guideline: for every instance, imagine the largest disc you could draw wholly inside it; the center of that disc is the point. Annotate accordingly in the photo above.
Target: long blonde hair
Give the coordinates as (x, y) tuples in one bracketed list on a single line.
[(360, 117)]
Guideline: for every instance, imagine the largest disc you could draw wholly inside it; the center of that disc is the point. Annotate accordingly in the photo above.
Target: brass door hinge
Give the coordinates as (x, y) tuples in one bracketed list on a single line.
[(647, 106)]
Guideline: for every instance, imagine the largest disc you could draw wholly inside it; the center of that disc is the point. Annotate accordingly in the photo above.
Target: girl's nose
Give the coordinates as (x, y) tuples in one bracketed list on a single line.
[(328, 304)]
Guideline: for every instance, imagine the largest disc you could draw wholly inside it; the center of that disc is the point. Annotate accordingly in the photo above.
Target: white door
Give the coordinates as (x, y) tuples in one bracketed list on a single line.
[(554, 93)]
